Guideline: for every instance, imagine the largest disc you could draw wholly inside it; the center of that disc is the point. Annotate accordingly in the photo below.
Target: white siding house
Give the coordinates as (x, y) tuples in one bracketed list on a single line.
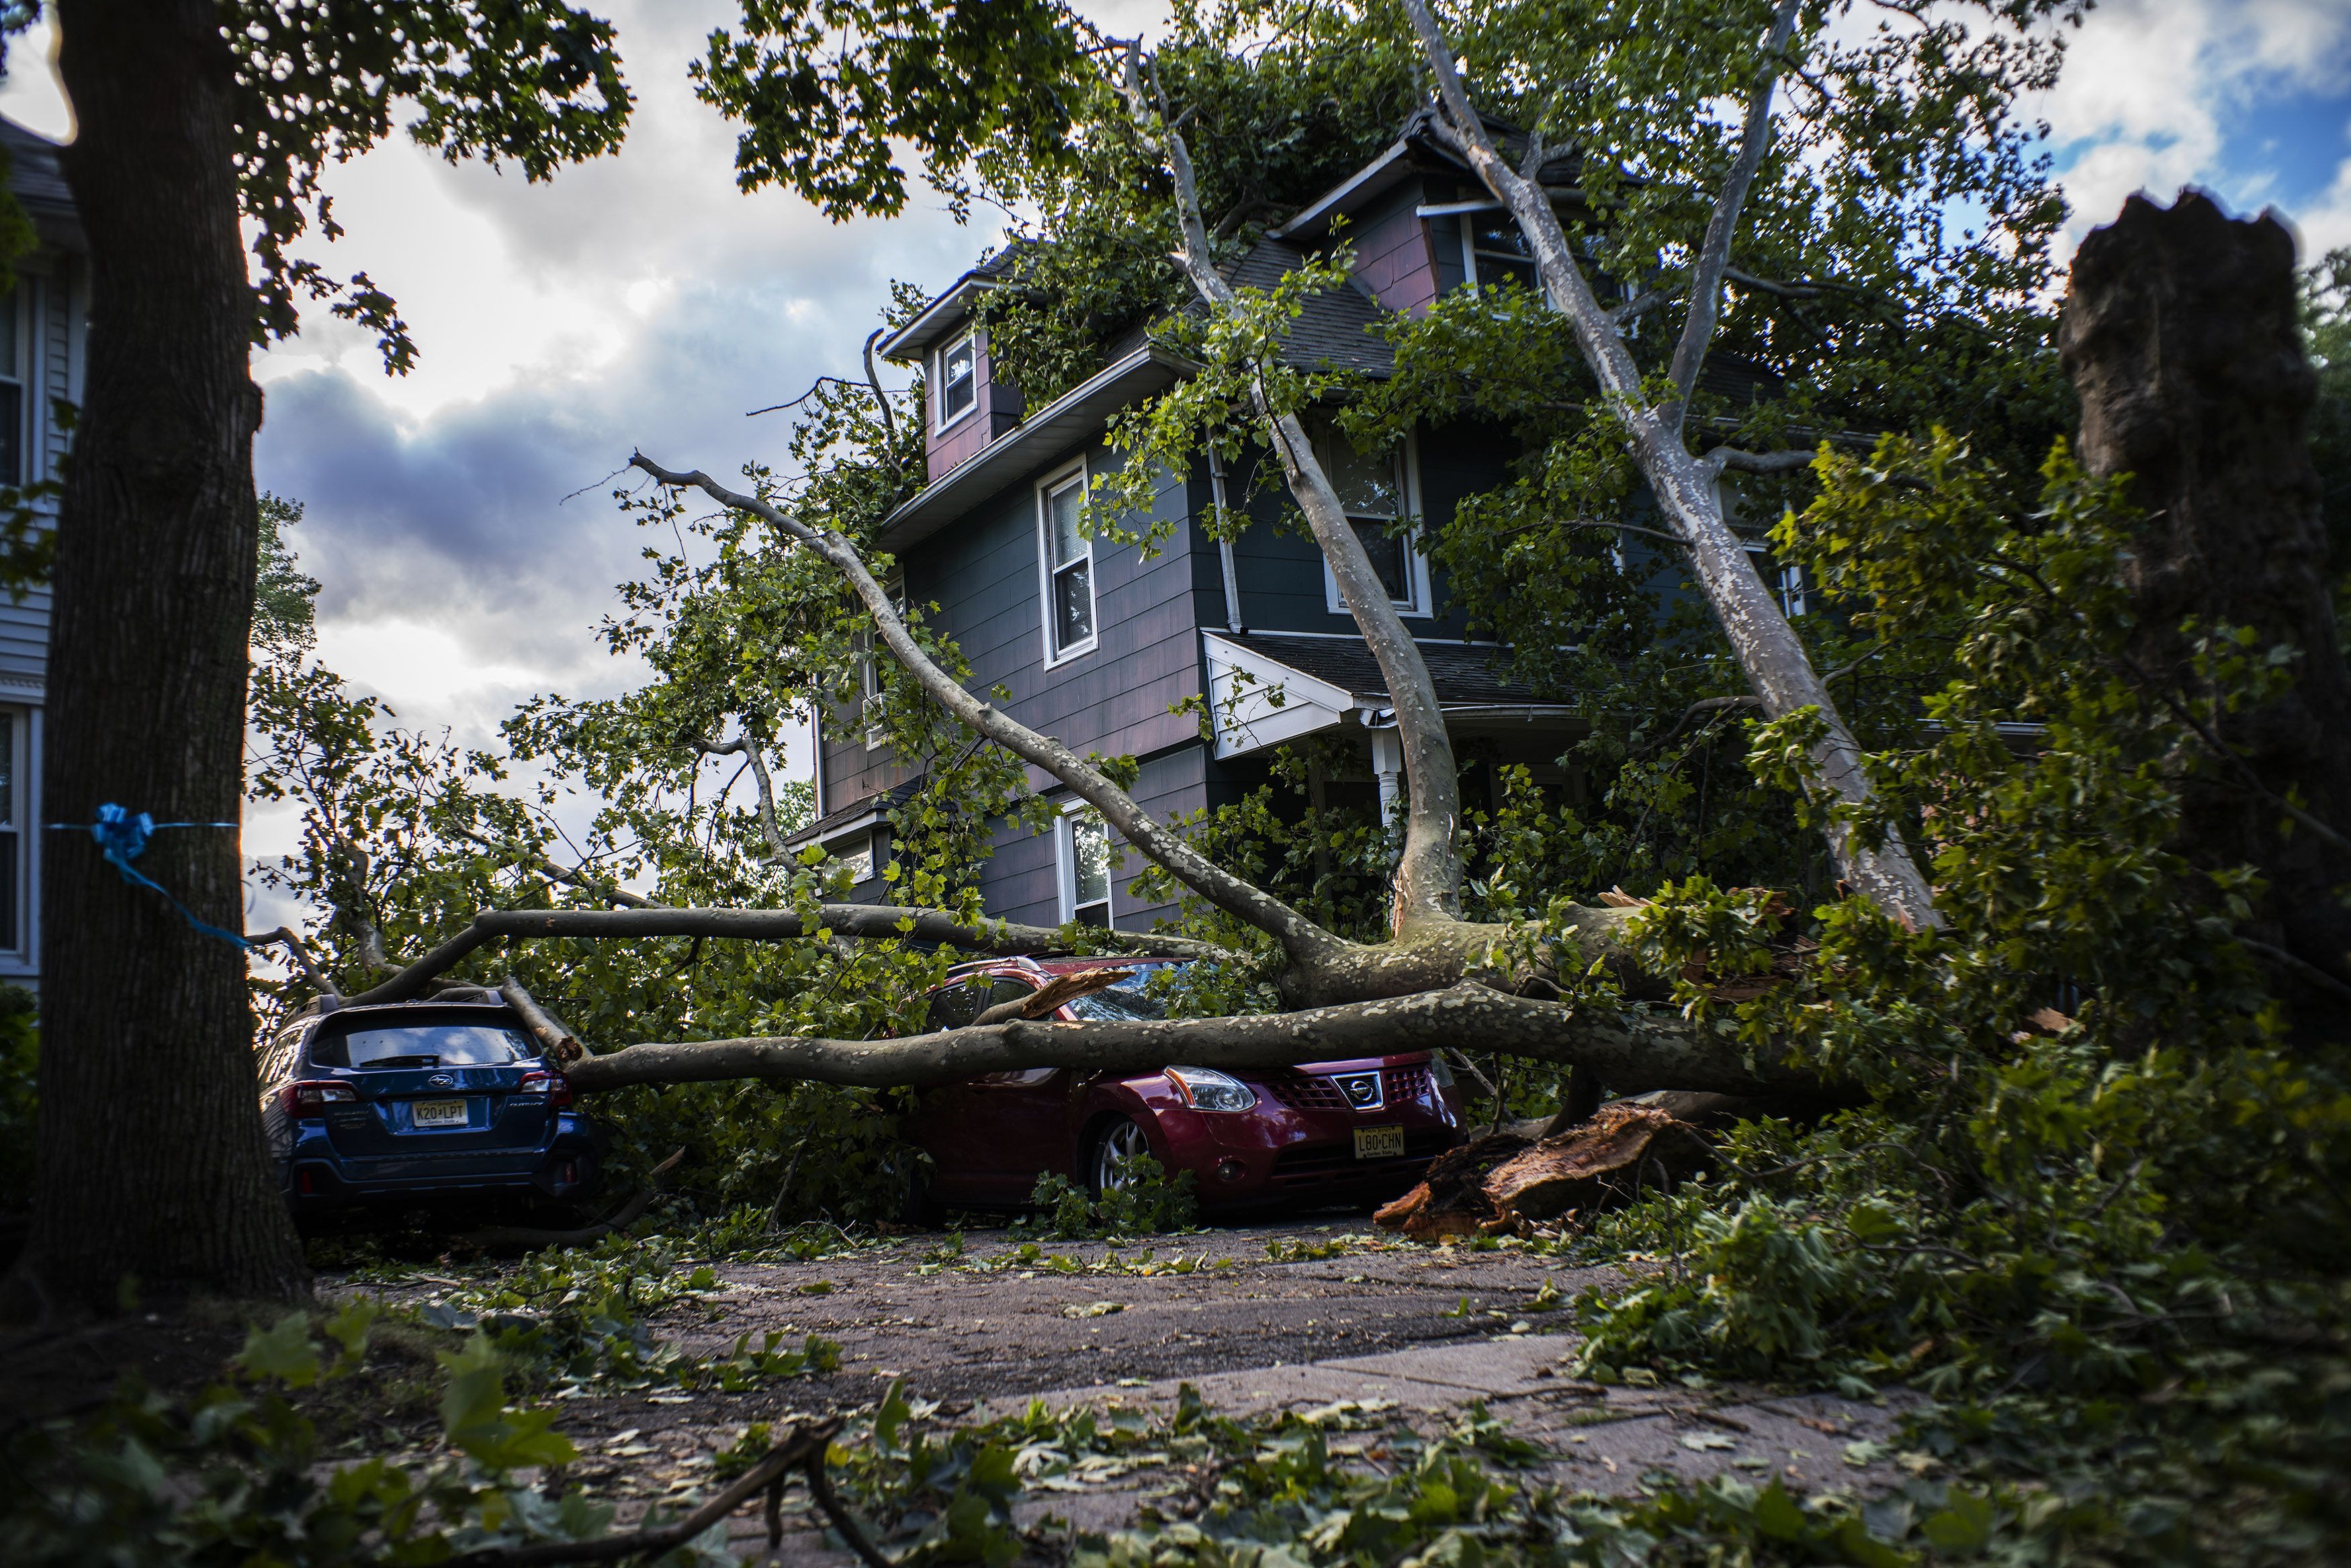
[(43, 324)]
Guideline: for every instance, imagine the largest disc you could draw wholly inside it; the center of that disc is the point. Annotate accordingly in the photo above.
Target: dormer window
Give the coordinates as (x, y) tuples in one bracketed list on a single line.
[(956, 372), (1499, 252)]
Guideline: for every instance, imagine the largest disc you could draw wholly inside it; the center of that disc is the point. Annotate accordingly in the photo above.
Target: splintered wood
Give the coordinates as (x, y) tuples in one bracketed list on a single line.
[(1502, 1182)]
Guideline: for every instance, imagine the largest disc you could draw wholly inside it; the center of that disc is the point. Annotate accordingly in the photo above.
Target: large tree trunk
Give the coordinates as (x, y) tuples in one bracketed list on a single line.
[(151, 1165), (2180, 334)]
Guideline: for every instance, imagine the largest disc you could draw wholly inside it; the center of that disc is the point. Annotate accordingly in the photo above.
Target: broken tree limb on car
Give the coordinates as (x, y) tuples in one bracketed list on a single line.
[(1628, 1049), (1050, 995), (873, 922), (562, 1046), (1684, 485)]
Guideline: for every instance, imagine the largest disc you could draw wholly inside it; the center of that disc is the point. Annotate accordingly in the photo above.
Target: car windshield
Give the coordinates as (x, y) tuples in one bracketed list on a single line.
[(1126, 999), (424, 1045)]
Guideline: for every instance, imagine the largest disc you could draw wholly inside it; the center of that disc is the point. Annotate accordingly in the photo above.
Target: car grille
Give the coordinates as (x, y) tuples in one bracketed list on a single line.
[(1324, 1161), (1313, 1092), (1304, 1092)]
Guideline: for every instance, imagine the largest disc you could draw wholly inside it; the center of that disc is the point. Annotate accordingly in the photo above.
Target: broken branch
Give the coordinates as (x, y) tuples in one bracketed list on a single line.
[(1629, 1051), (871, 922)]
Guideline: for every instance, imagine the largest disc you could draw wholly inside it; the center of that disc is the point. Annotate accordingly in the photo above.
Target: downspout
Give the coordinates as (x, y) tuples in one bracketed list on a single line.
[(1225, 545)]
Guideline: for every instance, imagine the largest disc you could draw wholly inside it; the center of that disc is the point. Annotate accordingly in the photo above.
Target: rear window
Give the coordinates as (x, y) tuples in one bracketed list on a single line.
[(424, 1045)]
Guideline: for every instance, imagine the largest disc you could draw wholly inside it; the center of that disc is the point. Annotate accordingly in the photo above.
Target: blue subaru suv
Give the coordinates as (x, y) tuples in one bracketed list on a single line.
[(413, 1101)]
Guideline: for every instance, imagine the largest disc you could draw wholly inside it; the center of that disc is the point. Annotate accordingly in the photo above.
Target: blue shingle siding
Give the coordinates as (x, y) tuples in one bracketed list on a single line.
[(984, 575), (1023, 881)]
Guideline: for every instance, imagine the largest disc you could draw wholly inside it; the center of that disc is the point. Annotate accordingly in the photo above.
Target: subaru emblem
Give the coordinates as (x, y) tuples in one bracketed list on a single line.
[(440, 1080)]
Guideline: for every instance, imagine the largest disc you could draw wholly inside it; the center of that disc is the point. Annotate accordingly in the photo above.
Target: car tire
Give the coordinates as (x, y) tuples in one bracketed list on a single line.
[(1116, 1141), (919, 1209)]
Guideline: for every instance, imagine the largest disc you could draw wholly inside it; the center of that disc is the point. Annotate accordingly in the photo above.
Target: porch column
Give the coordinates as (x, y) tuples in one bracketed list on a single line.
[(1387, 766)]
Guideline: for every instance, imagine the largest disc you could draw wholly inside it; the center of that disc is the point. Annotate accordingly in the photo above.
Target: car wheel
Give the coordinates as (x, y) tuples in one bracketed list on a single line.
[(920, 1209), (1116, 1149)]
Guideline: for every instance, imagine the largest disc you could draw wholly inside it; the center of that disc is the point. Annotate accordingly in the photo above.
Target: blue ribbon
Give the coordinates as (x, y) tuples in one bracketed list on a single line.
[(121, 836)]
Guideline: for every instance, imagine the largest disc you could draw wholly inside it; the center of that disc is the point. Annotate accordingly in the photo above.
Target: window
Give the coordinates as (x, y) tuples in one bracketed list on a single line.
[(958, 369), (870, 654), (12, 389), (857, 854), (1375, 491), (10, 855), (1069, 567), (1495, 251), (1786, 583), (1084, 855)]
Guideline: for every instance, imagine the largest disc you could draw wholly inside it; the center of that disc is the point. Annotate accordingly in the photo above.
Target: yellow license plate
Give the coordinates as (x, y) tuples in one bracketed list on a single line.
[(446, 1114), (1379, 1143)]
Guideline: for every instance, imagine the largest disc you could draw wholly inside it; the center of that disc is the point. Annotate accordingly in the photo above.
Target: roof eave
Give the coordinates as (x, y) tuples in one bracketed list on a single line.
[(1078, 412), (907, 344)]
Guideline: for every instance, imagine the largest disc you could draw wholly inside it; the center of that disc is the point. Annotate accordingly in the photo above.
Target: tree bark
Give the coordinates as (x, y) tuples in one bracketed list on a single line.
[(151, 1165), (2182, 335), (1631, 1052), (869, 921), (1768, 651)]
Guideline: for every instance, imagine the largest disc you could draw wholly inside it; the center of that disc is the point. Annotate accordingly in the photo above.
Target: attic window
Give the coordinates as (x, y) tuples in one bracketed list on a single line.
[(1498, 250), (957, 369)]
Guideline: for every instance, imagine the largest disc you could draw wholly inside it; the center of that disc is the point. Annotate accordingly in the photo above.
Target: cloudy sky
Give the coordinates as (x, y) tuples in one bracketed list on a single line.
[(644, 301)]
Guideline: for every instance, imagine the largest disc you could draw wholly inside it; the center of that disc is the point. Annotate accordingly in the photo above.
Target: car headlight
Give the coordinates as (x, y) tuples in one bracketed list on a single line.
[(1440, 1071), (1205, 1089)]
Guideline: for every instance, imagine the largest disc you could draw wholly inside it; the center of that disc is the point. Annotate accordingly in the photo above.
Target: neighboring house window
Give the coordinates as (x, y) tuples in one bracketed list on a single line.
[(1084, 856), (1377, 491), (11, 388), (958, 380), (1069, 557), (870, 655), (1786, 582), (857, 854), (12, 859)]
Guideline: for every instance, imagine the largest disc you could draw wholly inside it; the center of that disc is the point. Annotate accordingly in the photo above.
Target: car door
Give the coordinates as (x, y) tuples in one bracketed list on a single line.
[(991, 1137)]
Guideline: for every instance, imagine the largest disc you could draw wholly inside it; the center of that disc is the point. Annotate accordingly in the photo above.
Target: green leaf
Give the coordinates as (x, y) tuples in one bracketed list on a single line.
[(284, 1351), (1963, 1527)]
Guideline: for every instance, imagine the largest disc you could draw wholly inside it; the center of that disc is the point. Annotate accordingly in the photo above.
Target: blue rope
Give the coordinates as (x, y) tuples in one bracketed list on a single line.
[(121, 836)]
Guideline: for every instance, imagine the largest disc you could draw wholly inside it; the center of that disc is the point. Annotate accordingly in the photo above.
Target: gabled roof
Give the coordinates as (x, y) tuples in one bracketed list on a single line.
[(38, 182), (946, 313), (1337, 329), (1466, 675), (1418, 150)]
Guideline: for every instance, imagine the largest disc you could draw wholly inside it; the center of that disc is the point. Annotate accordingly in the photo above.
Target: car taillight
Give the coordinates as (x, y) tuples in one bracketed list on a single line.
[(554, 1085), (311, 1098)]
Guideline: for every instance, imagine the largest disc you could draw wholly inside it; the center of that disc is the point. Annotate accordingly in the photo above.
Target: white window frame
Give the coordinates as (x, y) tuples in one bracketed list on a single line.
[(17, 723), (847, 850), (941, 420), (22, 370), (1416, 564), (1065, 864), (869, 669), (1048, 487)]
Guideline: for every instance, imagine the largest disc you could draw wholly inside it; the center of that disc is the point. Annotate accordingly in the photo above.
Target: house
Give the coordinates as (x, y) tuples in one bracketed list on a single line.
[(43, 323), (1099, 647)]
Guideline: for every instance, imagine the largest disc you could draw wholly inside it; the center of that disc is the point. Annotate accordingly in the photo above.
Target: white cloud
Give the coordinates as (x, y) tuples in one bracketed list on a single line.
[(2153, 91)]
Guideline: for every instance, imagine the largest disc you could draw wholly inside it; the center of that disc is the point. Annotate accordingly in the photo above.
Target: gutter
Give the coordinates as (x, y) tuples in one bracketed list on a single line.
[(1225, 545)]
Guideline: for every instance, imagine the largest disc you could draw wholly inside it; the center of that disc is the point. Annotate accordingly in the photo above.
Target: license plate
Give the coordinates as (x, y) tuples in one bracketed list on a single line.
[(452, 1114), (1379, 1143)]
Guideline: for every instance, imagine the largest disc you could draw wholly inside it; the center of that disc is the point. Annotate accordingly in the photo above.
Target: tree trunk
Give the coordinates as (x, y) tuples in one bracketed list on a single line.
[(2180, 334), (151, 1165)]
